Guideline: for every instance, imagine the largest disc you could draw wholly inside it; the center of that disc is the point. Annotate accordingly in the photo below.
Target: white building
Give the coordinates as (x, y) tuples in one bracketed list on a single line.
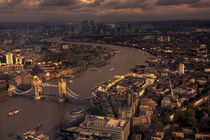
[(9, 58), (118, 128), (19, 60), (169, 39), (66, 46), (161, 38), (181, 68)]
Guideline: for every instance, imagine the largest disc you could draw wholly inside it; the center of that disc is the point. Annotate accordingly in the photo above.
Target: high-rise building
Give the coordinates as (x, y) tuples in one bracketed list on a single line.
[(181, 68), (9, 58), (161, 38), (92, 23), (85, 26), (169, 39)]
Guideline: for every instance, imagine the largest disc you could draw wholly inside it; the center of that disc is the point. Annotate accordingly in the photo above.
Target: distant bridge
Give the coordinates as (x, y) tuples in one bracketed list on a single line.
[(36, 91)]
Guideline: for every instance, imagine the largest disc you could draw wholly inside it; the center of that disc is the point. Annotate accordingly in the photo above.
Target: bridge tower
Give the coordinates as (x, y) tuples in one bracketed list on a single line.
[(61, 90), (37, 87), (11, 89)]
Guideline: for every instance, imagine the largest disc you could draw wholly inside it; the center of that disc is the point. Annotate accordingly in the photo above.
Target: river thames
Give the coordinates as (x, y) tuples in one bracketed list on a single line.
[(49, 112)]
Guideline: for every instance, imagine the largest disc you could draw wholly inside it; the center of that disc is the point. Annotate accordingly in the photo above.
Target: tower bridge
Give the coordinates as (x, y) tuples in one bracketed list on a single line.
[(36, 91)]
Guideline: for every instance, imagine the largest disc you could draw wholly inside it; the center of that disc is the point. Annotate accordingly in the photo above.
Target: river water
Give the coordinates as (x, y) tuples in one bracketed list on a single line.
[(49, 112)]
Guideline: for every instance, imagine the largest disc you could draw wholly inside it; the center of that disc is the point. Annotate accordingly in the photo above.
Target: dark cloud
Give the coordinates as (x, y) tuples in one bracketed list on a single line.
[(57, 3), (176, 2), (96, 3), (201, 4), (9, 7), (143, 4), (11, 4), (190, 3), (104, 9)]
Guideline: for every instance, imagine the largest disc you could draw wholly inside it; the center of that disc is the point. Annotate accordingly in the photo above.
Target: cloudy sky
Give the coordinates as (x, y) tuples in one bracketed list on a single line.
[(103, 10)]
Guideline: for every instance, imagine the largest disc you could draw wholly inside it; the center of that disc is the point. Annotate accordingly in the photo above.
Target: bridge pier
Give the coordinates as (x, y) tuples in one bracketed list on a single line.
[(11, 89), (10, 93), (61, 90), (37, 87), (60, 100), (37, 98)]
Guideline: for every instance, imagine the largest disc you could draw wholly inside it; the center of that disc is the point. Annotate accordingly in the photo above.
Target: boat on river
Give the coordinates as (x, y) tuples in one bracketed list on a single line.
[(111, 69), (68, 76), (93, 69), (10, 114)]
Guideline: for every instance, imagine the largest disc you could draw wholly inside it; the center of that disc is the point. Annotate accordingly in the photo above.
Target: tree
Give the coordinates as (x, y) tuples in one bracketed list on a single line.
[(36, 70), (154, 119), (187, 118), (166, 118), (205, 125), (207, 110), (97, 110), (137, 129), (192, 122), (158, 125), (190, 112), (180, 115)]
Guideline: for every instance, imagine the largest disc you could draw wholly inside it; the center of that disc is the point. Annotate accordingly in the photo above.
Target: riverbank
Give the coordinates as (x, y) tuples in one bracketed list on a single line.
[(3, 95), (144, 52)]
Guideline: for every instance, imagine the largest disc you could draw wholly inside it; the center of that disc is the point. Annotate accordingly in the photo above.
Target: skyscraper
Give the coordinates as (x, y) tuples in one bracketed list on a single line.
[(92, 26), (9, 58), (85, 26), (92, 23)]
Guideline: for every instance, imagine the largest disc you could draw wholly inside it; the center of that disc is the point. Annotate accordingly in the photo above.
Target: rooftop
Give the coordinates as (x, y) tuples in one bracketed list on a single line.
[(104, 123)]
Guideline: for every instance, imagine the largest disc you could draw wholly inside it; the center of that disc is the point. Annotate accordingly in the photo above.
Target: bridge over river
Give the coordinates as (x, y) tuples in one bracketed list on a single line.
[(37, 93)]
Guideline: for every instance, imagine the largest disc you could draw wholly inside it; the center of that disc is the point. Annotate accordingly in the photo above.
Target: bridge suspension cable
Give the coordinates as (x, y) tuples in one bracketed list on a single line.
[(19, 92), (69, 94), (73, 93)]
